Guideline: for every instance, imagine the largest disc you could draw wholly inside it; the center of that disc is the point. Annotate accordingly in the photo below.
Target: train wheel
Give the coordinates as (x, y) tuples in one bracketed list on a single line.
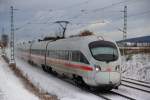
[(49, 69), (44, 68), (79, 81)]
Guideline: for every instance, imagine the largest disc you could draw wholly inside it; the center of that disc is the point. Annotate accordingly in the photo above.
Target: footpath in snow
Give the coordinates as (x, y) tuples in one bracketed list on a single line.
[(11, 88)]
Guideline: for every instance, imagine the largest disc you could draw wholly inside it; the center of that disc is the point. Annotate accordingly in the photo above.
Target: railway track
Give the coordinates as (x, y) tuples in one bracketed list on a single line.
[(107, 95), (135, 80), (136, 85), (111, 95)]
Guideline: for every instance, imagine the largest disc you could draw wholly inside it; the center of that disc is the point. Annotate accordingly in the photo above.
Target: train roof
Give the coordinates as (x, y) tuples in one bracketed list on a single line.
[(76, 42), (73, 42), (89, 38)]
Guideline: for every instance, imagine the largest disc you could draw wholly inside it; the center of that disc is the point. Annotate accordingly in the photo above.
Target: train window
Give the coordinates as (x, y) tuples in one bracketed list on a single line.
[(54, 54), (66, 55), (83, 59), (77, 56), (61, 54), (43, 52), (104, 51), (50, 53), (47, 53)]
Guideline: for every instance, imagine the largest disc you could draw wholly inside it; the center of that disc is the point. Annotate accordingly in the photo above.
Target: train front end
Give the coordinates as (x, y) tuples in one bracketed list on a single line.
[(106, 62)]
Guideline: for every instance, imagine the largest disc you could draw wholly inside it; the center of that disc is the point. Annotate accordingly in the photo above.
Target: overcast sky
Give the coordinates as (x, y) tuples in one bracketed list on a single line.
[(35, 18)]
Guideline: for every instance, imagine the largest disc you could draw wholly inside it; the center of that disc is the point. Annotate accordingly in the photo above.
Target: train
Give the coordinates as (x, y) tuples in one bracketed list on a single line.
[(92, 60)]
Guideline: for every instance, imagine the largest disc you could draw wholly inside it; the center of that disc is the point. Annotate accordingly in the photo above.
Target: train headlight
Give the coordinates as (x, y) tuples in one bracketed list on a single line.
[(117, 68), (97, 68)]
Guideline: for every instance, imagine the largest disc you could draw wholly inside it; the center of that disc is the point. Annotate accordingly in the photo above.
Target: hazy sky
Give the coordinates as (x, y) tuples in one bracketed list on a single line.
[(35, 18)]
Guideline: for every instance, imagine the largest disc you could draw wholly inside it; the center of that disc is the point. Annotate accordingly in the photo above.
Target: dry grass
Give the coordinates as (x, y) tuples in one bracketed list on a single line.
[(29, 85)]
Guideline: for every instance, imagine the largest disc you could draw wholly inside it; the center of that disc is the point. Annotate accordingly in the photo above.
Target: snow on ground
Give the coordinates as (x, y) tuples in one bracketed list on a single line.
[(66, 91), (53, 85), (137, 67), (11, 88), (136, 94)]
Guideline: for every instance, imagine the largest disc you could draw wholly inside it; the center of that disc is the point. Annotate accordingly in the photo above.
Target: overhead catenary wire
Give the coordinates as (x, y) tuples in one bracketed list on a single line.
[(76, 5), (99, 9), (50, 10), (82, 13), (109, 6), (140, 14), (76, 16), (135, 15)]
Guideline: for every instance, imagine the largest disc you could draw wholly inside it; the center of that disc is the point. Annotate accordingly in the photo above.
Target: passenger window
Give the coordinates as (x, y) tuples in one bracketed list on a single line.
[(77, 56), (66, 55), (83, 59)]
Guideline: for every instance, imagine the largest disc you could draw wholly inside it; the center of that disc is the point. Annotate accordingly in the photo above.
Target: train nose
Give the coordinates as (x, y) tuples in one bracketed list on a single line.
[(109, 78), (114, 77)]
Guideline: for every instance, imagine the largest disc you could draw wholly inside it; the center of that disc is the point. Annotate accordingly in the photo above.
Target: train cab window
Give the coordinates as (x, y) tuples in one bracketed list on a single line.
[(104, 51)]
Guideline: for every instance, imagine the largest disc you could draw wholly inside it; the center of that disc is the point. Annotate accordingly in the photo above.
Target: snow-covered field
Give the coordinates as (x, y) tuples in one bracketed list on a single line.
[(11, 88), (137, 67)]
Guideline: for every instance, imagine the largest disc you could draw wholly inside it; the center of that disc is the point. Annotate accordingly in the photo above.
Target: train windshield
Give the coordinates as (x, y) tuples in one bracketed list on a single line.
[(104, 51)]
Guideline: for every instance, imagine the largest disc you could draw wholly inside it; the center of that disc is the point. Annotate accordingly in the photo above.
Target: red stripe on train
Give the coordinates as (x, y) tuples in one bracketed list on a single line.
[(87, 68)]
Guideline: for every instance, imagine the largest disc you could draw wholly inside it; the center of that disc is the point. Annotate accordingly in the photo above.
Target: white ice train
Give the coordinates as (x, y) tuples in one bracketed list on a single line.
[(93, 60)]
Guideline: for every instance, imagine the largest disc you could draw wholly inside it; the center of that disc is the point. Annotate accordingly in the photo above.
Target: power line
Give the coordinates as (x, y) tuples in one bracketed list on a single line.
[(99, 9), (96, 10), (134, 15), (76, 5), (29, 23), (88, 23), (139, 14), (109, 6), (73, 6)]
